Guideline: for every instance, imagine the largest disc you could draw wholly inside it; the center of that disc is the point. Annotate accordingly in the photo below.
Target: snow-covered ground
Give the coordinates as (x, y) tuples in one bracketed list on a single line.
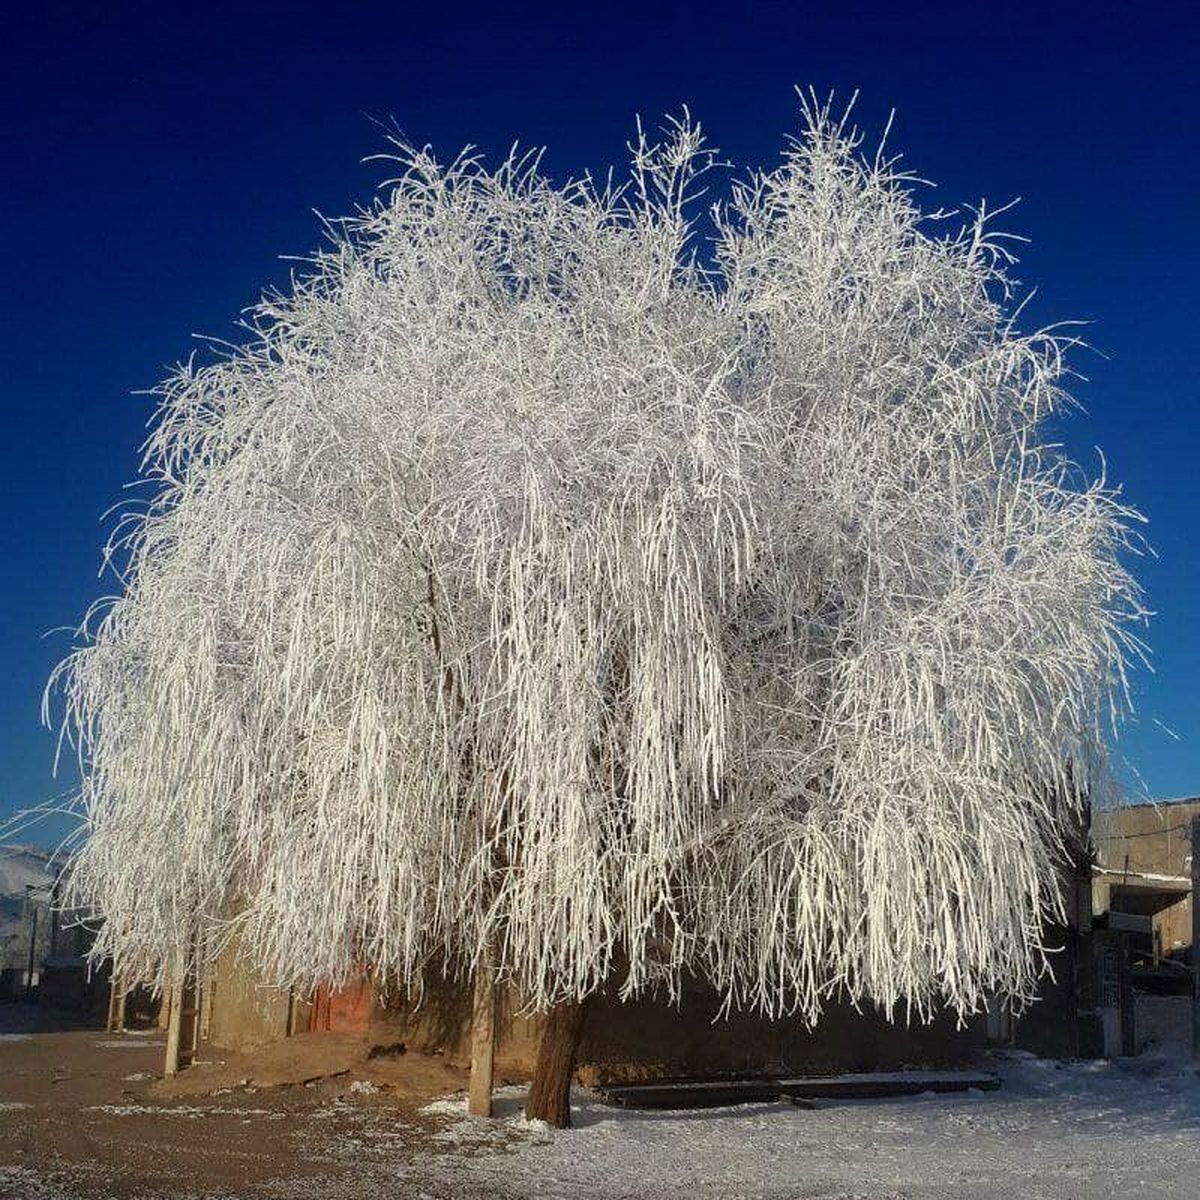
[(1128, 1130), (1080, 1131)]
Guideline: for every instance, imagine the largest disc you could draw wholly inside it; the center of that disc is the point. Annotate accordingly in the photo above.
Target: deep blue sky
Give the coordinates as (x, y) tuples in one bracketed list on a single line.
[(158, 159)]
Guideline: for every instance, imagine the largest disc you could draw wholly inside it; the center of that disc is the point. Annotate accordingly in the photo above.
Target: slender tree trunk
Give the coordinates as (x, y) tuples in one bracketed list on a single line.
[(550, 1091), (483, 1039), (174, 1025), (114, 984)]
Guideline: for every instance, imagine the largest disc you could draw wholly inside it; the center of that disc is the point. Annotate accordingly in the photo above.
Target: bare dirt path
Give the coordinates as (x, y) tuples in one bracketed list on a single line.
[(84, 1114)]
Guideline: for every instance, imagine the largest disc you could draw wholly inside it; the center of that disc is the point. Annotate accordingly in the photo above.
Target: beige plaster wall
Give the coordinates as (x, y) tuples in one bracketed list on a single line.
[(245, 1014), (1155, 839), (646, 1039)]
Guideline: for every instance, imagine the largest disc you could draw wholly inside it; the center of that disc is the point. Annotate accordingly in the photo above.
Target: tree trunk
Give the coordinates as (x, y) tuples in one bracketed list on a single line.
[(174, 1025), (550, 1091), (483, 1039), (114, 986)]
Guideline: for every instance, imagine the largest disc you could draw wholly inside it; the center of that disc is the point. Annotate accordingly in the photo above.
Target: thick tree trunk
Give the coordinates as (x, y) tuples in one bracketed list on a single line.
[(550, 1090), (483, 1039)]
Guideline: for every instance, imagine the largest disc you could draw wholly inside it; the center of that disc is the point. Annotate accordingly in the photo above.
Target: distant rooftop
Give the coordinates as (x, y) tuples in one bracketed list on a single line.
[(1108, 808)]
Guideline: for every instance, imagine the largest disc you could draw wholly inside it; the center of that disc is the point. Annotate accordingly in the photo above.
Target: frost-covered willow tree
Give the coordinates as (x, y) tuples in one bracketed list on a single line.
[(542, 585)]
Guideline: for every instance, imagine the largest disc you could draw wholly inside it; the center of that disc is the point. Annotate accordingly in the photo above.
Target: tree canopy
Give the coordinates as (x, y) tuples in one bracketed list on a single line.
[(639, 596)]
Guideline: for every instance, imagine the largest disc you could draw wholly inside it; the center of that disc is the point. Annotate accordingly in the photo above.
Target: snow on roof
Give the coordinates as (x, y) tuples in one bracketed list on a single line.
[(1144, 876)]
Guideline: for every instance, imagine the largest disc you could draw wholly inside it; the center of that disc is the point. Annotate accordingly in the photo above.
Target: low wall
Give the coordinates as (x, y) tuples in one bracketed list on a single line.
[(245, 1014), (645, 1039), (1163, 1024), (622, 1042)]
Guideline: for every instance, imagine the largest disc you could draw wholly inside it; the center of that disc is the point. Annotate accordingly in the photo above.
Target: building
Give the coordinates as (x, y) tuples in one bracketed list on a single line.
[(68, 981), (1143, 878), (622, 1042)]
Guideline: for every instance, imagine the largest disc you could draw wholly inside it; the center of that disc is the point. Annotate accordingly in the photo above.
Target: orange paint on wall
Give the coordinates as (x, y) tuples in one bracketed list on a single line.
[(347, 1010)]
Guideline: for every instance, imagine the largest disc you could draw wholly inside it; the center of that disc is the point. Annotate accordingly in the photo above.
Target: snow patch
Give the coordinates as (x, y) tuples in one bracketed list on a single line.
[(191, 1112), (502, 1129), (1054, 1130), (447, 1106)]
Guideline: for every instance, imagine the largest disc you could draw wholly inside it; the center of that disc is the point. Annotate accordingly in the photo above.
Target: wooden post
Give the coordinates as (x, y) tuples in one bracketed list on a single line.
[(206, 1003), (1196, 938), (174, 1022), (483, 1038), (55, 917), (110, 1022), (202, 984), (189, 1025), (33, 914)]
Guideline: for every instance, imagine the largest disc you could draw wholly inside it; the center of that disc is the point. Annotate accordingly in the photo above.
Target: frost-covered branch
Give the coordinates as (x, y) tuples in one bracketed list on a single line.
[(522, 582)]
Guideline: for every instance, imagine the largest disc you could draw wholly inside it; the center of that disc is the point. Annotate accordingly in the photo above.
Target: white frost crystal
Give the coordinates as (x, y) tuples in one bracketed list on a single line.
[(528, 581)]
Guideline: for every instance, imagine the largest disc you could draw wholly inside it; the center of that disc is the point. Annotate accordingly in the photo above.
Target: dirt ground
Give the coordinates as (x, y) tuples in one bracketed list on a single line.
[(85, 1113), (83, 1116)]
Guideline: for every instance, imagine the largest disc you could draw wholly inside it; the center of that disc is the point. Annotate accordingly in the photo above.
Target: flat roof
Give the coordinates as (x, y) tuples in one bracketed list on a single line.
[(1146, 878), (1149, 803)]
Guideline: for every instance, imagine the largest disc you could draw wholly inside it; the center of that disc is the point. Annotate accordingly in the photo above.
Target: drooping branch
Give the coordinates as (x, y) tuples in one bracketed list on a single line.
[(522, 583)]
